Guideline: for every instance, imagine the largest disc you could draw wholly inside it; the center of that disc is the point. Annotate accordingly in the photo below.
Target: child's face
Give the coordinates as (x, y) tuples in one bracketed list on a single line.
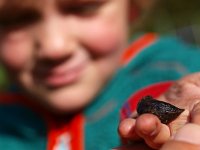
[(62, 52)]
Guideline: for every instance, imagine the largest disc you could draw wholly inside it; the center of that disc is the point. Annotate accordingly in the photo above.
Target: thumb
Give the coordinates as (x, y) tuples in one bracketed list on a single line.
[(189, 133)]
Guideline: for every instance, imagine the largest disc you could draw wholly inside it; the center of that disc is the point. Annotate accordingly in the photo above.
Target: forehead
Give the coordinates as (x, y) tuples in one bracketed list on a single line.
[(35, 2), (16, 6), (38, 4), (6, 4)]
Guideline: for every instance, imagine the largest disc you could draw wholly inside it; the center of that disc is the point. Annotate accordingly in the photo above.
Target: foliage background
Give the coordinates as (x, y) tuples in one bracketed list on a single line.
[(178, 17)]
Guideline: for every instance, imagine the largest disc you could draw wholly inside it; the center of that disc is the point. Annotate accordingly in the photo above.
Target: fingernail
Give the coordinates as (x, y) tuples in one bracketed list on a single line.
[(154, 132), (150, 133)]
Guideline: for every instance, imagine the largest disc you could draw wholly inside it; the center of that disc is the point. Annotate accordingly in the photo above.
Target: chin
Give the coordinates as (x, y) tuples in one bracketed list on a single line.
[(69, 101)]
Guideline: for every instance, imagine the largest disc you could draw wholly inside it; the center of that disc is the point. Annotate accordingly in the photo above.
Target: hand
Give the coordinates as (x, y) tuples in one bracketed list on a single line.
[(185, 93), (187, 138), (146, 127)]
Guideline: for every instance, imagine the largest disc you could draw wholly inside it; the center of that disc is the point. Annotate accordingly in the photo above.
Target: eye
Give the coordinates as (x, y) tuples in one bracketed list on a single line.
[(18, 20), (83, 8)]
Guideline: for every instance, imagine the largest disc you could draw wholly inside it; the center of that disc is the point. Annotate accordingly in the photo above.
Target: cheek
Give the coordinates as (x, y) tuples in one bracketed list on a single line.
[(15, 50), (103, 38)]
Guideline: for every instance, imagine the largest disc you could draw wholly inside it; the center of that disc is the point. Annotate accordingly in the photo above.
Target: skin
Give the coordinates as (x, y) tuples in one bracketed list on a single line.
[(183, 93), (66, 52)]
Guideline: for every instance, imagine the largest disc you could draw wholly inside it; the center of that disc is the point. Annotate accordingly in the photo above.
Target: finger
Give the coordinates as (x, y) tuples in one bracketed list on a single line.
[(189, 133), (195, 114), (126, 129), (179, 145), (150, 128)]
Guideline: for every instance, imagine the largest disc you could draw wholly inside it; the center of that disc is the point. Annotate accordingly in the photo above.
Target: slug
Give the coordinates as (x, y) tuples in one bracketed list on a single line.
[(164, 111)]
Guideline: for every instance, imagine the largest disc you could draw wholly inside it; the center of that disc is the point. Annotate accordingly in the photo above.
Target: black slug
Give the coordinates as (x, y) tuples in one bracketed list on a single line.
[(164, 111)]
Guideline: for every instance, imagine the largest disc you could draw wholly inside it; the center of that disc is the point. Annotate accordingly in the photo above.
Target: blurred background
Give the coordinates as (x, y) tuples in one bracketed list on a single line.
[(178, 17)]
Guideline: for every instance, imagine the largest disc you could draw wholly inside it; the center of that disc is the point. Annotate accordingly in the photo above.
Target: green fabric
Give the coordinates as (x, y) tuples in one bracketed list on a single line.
[(167, 59), (21, 129)]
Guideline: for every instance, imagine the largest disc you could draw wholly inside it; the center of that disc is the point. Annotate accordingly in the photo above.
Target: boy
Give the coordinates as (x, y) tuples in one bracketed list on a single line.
[(64, 57)]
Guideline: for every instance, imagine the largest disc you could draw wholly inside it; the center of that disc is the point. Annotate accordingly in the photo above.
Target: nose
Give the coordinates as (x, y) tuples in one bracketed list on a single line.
[(53, 41)]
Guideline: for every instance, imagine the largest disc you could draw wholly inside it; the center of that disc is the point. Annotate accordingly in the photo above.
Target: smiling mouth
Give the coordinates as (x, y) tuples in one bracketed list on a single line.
[(64, 78), (54, 79)]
